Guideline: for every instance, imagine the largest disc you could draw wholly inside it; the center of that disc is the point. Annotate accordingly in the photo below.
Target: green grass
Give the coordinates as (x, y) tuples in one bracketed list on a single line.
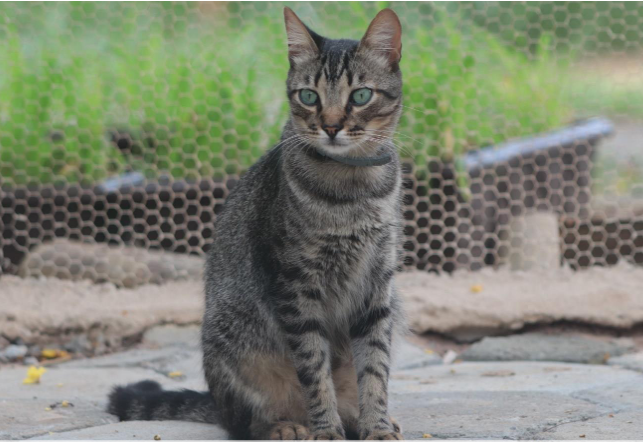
[(201, 91)]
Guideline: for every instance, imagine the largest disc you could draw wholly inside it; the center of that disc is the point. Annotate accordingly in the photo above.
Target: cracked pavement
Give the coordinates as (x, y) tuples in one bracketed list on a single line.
[(465, 400)]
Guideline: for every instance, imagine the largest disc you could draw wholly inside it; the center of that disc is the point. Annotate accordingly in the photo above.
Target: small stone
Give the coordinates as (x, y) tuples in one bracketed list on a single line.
[(449, 357), (30, 360), (34, 351), (79, 344), (157, 437), (14, 352)]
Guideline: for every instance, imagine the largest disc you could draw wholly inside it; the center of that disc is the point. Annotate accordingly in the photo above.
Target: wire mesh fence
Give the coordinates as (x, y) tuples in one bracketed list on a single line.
[(129, 123)]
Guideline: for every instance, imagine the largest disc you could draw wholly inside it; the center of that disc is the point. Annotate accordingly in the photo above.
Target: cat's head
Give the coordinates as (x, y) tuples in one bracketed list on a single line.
[(345, 95)]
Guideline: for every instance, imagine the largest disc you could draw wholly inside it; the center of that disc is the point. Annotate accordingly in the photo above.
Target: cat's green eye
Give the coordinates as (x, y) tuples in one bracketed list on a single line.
[(308, 97), (361, 96)]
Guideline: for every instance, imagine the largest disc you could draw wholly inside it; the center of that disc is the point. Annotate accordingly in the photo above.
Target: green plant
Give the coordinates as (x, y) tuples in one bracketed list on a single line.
[(200, 92)]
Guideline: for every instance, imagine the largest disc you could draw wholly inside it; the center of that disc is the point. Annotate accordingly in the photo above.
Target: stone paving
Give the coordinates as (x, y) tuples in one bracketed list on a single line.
[(462, 400)]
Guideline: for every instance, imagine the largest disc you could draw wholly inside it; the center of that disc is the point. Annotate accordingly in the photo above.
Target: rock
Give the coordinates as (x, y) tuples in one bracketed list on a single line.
[(122, 266), (79, 344), (164, 335), (30, 360), (409, 356), (39, 310), (541, 347), (509, 300), (34, 351), (3, 343), (15, 352), (632, 361)]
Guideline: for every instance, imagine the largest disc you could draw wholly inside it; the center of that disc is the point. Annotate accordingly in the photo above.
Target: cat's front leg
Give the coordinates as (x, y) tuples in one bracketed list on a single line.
[(310, 354), (371, 334)]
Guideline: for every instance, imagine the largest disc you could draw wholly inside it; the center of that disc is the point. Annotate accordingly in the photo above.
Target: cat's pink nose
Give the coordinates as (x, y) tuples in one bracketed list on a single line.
[(332, 130)]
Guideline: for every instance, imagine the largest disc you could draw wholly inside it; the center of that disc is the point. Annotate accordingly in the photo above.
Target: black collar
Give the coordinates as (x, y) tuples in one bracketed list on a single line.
[(380, 160)]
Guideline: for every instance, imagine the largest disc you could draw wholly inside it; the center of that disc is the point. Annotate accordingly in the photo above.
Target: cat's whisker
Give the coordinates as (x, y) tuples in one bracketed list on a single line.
[(400, 147)]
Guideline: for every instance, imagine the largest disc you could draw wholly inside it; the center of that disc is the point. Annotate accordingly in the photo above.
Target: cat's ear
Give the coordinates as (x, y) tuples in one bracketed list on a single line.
[(384, 35), (300, 42)]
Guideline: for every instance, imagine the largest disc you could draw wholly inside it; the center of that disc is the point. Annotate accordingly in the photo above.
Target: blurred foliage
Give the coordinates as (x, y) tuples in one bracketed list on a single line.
[(89, 90)]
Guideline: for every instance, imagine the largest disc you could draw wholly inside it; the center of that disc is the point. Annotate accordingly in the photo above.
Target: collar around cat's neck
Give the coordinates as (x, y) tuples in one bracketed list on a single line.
[(379, 160)]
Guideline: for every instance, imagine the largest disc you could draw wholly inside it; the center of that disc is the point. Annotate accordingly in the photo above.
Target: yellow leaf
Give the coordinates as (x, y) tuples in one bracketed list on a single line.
[(34, 374), (51, 353), (426, 436), (48, 409), (65, 403), (476, 288), (175, 374), (428, 351)]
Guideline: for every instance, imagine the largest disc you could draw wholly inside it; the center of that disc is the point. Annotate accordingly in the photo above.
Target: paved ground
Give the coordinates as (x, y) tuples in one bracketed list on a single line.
[(481, 400)]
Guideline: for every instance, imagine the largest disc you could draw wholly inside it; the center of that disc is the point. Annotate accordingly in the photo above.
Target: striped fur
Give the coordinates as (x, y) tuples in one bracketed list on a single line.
[(301, 308)]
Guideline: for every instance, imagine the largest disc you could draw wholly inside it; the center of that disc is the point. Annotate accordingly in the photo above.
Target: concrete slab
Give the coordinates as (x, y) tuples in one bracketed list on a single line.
[(511, 376), (137, 430), (619, 426), (632, 361), (60, 383), (486, 415), (541, 347), (478, 400), (28, 417)]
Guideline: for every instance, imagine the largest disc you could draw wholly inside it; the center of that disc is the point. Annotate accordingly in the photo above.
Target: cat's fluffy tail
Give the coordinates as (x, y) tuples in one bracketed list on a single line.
[(146, 400)]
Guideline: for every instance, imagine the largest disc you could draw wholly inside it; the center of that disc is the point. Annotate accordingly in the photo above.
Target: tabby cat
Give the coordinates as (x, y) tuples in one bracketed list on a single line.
[(301, 307)]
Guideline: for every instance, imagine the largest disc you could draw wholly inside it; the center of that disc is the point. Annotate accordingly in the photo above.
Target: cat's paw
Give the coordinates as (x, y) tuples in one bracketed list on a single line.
[(327, 435), (289, 431), (384, 434)]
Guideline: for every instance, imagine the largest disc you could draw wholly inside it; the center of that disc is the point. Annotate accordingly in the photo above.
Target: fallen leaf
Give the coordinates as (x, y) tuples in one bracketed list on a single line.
[(426, 436), (52, 353), (175, 374), (65, 403), (34, 374), (610, 415), (476, 288), (48, 409), (498, 374), (428, 351), (582, 435), (157, 437)]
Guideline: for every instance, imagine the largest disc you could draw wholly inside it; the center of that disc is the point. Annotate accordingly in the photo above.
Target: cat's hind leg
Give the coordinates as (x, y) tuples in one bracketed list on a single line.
[(261, 398)]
